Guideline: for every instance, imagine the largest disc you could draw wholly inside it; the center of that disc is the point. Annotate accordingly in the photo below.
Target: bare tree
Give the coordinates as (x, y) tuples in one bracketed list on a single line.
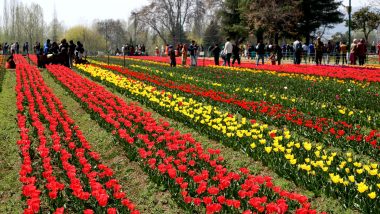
[(273, 16), (34, 23), (167, 18), (56, 29), (113, 31), (22, 23)]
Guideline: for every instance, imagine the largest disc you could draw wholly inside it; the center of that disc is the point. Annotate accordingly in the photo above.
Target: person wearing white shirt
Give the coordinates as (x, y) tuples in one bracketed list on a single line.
[(228, 51)]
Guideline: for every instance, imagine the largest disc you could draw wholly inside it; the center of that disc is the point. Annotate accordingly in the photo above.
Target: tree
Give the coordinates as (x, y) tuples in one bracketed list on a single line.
[(233, 20), (91, 39), (273, 17), (365, 20), (198, 19), (22, 22), (340, 37), (34, 24), (113, 31), (56, 28), (167, 18), (317, 13), (212, 34)]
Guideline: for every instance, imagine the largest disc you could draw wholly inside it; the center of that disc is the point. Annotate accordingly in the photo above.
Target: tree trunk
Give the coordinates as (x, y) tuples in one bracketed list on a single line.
[(307, 36)]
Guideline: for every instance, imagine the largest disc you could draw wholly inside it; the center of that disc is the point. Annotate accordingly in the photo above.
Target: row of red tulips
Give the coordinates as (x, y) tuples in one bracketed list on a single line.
[(273, 113), (345, 72), (59, 170), (197, 177)]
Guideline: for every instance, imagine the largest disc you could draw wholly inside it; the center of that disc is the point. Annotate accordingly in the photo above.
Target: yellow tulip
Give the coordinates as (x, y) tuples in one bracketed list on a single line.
[(268, 149), (362, 187), (307, 146), (293, 161), (372, 195)]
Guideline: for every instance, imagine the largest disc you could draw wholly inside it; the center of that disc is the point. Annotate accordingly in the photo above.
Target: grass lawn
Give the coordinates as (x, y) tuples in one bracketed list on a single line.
[(10, 187)]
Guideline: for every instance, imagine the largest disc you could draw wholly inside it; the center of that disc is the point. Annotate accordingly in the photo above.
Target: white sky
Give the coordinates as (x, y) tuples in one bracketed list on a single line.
[(73, 12)]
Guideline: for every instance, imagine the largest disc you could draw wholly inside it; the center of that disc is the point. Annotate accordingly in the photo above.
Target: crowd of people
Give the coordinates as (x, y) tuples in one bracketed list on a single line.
[(318, 52), (14, 48), (51, 52), (131, 50)]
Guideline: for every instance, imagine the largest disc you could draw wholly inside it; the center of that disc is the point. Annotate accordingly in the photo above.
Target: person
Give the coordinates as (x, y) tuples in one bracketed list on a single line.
[(11, 63), (278, 50), (13, 48), (343, 52), (362, 51), (353, 52), (5, 48), (36, 48), (172, 56), (157, 51), (260, 49), (378, 51), (64, 52), (223, 56), (228, 51), (215, 52), (318, 51), (184, 54), (54, 48), (272, 58), (47, 47), (143, 50), (72, 47), (17, 48), (337, 53), (311, 52), (235, 54), (25, 48), (193, 48), (305, 49), (79, 50), (298, 52), (329, 51), (167, 50)]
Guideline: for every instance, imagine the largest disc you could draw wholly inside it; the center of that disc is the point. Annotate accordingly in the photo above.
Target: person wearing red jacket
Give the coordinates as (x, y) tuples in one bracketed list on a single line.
[(378, 51), (362, 51)]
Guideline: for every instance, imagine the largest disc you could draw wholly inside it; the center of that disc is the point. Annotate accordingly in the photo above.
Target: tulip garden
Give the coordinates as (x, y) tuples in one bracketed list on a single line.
[(211, 139)]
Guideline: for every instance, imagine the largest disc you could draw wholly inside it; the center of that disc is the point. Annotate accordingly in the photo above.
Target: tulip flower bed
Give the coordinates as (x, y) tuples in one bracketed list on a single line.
[(314, 106), (349, 93), (33, 58), (198, 178), (341, 132), (59, 172), (312, 165), (320, 108), (345, 72)]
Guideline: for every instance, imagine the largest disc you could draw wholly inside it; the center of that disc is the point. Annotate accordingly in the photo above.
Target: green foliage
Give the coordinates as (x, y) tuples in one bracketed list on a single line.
[(91, 39), (365, 20), (233, 20), (212, 35), (317, 13)]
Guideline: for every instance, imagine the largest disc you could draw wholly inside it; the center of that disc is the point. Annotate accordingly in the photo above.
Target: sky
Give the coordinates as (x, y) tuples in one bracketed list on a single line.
[(73, 12)]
